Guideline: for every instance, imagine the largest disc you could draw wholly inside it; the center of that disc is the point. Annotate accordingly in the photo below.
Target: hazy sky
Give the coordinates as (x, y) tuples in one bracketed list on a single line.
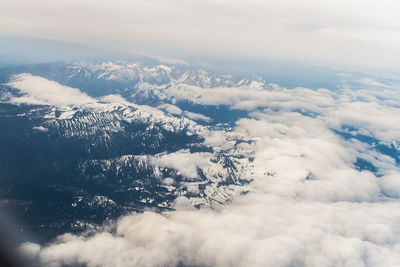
[(363, 32)]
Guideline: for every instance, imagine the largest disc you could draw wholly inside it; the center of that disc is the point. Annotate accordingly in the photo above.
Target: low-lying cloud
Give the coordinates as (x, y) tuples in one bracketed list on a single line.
[(38, 90), (373, 110), (174, 110), (185, 162), (258, 230)]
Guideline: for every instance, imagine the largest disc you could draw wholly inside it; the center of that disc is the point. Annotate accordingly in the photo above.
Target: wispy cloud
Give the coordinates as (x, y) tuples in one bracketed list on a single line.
[(38, 90), (170, 60), (166, 60)]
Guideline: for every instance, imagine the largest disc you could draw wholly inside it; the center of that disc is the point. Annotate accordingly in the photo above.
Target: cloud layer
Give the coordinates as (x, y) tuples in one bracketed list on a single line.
[(38, 90), (308, 204), (261, 230)]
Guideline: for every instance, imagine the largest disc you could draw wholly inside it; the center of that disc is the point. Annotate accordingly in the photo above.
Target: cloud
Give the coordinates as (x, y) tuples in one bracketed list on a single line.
[(168, 181), (197, 116), (166, 60), (174, 110), (346, 75), (170, 60), (218, 139), (261, 230), (390, 184), (185, 162), (373, 111), (371, 82), (38, 90), (308, 160), (171, 109), (41, 129), (246, 97), (115, 99)]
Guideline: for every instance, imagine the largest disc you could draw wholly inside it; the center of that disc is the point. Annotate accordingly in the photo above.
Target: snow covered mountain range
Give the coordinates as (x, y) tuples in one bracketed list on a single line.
[(83, 144)]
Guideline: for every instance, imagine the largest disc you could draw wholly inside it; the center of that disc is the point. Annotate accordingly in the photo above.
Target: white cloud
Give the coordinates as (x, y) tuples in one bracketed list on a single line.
[(183, 203), (168, 181), (373, 111), (174, 110), (246, 97), (390, 184), (371, 82), (40, 128), (115, 99), (170, 60), (259, 230), (171, 109), (196, 116), (38, 90), (218, 139), (346, 75), (185, 162), (166, 60)]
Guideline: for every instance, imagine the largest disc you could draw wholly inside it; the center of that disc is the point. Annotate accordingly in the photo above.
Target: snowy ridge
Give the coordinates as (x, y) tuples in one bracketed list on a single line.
[(155, 75), (167, 84), (109, 117)]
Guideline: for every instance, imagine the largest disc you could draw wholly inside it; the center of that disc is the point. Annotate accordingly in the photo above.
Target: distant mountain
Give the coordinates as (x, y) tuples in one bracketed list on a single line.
[(151, 85), (19, 50)]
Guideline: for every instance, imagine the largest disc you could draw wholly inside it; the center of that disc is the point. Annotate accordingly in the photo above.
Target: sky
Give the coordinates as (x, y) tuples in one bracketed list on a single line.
[(308, 204), (357, 32)]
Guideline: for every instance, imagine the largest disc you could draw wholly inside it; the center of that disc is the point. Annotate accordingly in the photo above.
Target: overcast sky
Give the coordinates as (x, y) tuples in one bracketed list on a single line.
[(360, 32)]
